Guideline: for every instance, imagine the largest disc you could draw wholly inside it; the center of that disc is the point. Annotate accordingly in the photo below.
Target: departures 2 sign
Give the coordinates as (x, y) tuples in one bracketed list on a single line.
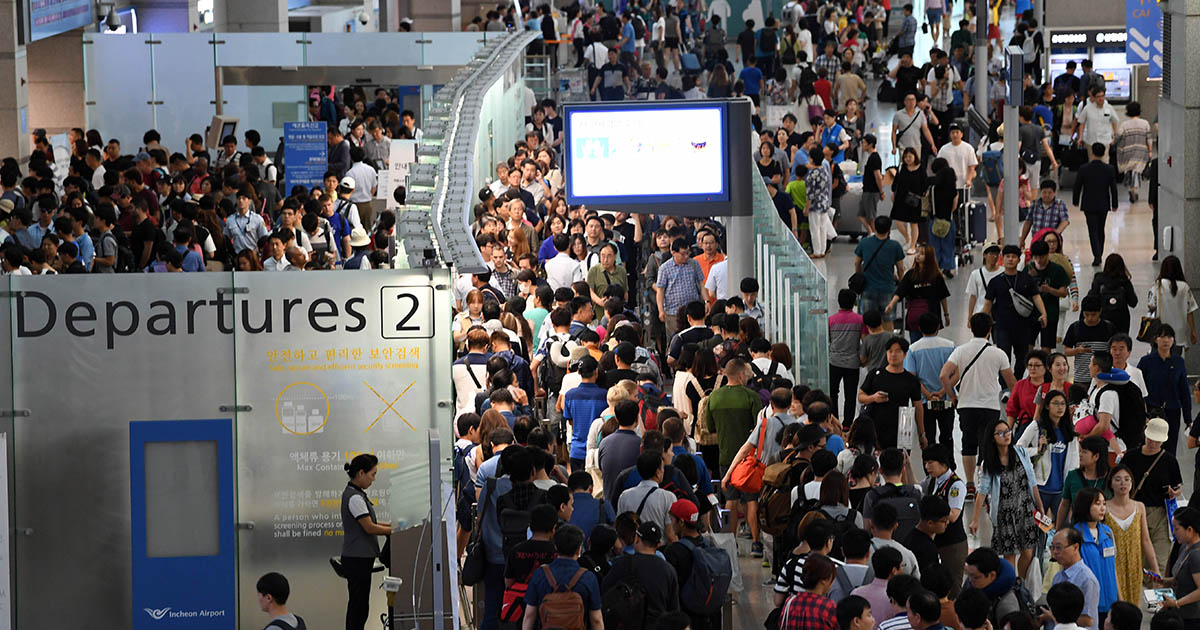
[(404, 314)]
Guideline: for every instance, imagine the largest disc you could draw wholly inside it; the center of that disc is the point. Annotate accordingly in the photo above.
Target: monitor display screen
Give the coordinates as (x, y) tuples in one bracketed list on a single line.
[(666, 152), (1112, 66)]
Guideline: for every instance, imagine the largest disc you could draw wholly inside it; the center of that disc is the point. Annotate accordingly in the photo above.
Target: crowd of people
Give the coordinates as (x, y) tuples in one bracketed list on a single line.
[(622, 410), (200, 209)]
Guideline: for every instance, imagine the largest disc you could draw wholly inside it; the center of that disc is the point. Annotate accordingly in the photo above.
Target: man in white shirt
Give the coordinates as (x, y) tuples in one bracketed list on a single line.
[(649, 501), (562, 270), (1119, 347), (961, 157), (760, 359), (1097, 120), (596, 54), (365, 183), (978, 280), (717, 285), (973, 367), (278, 260)]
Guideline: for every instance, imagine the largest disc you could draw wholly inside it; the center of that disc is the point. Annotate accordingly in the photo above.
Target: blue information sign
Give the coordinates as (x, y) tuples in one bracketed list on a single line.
[(51, 17), (305, 154), (1143, 20)]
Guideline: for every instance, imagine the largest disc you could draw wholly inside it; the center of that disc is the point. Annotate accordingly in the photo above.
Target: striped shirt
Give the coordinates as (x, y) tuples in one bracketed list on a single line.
[(791, 576), (899, 622), (845, 331)]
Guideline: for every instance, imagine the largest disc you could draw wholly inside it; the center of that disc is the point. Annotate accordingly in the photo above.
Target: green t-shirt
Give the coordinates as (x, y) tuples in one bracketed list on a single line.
[(799, 195), (536, 316), (1075, 482), (731, 413), (1057, 278)]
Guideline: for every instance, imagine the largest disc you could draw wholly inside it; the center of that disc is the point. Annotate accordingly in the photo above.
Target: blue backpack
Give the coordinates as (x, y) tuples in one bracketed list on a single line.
[(705, 589), (992, 164)]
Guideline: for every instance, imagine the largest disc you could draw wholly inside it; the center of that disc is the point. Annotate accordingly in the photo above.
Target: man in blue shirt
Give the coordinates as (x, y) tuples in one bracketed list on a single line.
[(907, 39), (1065, 549), (628, 40), (192, 260), (588, 511), (926, 358), (568, 575), (581, 405), (752, 79)]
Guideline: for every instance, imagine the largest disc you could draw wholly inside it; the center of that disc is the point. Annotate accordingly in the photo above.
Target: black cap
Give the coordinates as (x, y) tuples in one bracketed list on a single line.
[(650, 533), (955, 126)]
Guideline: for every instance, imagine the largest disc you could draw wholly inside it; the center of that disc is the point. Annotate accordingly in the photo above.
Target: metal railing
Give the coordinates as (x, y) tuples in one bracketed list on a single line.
[(793, 293)]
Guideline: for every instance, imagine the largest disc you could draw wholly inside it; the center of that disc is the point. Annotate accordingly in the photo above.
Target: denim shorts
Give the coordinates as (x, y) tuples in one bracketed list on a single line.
[(879, 301)]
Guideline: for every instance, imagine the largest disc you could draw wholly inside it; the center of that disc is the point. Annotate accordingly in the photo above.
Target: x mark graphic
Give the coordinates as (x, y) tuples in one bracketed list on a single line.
[(389, 406)]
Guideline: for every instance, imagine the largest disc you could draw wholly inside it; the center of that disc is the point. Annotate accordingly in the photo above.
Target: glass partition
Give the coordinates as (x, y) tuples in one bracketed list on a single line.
[(312, 368), (793, 293), (89, 355), (119, 86), (260, 49), (184, 83)]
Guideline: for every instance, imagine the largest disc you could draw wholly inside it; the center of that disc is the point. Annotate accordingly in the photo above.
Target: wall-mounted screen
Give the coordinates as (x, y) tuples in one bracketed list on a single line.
[(678, 157)]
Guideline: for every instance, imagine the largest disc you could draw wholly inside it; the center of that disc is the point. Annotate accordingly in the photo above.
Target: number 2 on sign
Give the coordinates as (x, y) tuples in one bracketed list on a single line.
[(406, 312)]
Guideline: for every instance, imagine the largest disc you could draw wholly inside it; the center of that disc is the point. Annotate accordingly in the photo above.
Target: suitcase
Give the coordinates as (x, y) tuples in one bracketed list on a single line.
[(846, 217), (977, 220), (690, 63)]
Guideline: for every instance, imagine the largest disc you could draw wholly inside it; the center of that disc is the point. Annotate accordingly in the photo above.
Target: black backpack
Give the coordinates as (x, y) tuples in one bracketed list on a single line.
[(1131, 422), (767, 381), (1112, 300), (283, 625), (624, 605), (768, 41), (908, 513), (639, 28), (513, 516)]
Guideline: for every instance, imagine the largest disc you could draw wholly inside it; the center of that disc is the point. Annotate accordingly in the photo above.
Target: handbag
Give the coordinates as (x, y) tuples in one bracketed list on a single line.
[(747, 476), (1149, 326), (940, 228), (1021, 304), (475, 564), (927, 204)]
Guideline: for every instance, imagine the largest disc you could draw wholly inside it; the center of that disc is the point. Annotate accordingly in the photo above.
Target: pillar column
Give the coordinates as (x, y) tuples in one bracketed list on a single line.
[(259, 16), (433, 15), (1178, 153), (14, 93)]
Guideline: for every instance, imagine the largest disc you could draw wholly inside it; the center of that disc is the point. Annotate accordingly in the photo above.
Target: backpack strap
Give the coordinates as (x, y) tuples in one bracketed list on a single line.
[(574, 579), (550, 578)]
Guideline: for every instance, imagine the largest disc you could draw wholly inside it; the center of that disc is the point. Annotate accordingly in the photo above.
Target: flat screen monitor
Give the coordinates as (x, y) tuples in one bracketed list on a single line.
[(648, 153)]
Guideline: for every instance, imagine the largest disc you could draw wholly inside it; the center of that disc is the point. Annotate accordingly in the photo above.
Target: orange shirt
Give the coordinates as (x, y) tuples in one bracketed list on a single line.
[(707, 263)]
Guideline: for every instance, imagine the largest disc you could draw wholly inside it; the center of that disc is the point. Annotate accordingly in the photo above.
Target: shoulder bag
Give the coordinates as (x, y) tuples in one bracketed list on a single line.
[(1150, 325), (858, 280), (747, 476)]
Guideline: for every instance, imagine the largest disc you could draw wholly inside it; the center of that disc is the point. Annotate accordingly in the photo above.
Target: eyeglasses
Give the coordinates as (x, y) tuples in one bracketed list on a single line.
[(1004, 433)]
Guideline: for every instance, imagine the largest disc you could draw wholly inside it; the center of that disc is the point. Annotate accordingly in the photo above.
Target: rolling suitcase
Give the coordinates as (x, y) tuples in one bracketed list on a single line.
[(690, 63), (977, 220)]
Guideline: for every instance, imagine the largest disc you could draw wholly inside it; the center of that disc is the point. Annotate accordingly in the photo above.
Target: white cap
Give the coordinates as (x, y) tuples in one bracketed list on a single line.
[(347, 183)]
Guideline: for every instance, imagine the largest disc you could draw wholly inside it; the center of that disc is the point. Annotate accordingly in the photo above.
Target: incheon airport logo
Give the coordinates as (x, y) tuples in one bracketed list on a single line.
[(158, 614)]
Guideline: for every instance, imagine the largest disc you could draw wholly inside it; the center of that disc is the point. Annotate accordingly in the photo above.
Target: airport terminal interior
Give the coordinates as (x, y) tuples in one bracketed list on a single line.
[(681, 314)]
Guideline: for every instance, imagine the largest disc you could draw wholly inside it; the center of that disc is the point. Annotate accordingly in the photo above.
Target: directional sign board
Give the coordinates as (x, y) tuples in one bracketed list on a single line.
[(1143, 19)]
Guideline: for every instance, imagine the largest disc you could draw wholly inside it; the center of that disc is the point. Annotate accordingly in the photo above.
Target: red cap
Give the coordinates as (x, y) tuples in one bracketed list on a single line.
[(686, 511)]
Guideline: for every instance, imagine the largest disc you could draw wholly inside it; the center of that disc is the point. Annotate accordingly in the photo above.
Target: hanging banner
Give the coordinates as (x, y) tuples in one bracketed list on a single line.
[(1143, 20)]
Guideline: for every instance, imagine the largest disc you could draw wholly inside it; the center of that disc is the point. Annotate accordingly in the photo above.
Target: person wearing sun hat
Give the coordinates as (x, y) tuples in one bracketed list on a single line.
[(359, 250), (1156, 479)]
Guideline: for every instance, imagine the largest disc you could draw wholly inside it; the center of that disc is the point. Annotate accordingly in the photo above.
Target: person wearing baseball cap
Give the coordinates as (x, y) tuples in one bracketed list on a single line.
[(1156, 477), (647, 568), (343, 206), (685, 518)]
